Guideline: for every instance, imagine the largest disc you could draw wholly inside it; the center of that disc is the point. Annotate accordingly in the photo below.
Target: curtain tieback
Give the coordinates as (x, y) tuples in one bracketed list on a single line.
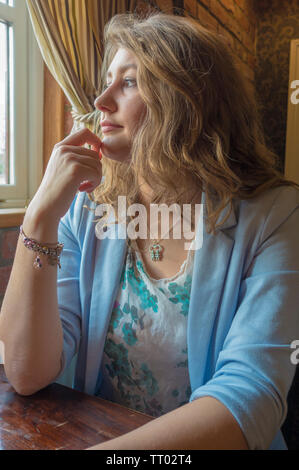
[(90, 119)]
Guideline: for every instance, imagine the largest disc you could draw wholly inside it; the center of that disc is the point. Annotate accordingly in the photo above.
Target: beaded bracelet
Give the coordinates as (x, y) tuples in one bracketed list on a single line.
[(53, 254)]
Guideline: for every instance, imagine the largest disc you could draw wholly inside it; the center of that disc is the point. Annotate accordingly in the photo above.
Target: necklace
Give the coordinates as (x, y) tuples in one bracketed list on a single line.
[(155, 249)]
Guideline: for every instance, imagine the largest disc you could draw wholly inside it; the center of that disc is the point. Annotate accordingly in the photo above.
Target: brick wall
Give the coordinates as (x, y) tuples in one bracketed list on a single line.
[(236, 21)]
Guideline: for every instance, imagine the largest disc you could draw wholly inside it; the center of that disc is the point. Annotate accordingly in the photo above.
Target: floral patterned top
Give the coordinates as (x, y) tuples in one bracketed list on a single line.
[(145, 361)]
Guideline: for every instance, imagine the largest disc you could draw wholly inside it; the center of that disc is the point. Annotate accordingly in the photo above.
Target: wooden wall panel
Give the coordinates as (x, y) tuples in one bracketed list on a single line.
[(54, 115)]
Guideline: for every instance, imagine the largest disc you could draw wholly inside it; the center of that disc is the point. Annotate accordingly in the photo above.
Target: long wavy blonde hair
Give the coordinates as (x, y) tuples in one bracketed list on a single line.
[(202, 127)]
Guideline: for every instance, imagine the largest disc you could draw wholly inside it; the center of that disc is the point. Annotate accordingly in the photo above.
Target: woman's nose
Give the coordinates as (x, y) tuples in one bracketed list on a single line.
[(104, 103), (98, 104)]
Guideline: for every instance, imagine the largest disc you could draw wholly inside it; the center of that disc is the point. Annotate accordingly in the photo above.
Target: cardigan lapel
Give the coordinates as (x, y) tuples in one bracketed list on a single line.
[(211, 263), (110, 258)]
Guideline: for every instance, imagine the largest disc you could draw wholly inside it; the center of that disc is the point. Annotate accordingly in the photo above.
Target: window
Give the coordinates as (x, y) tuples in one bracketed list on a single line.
[(21, 106)]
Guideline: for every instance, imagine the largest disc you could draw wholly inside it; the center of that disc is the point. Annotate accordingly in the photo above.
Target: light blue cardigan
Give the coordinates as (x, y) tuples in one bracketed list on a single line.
[(243, 311)]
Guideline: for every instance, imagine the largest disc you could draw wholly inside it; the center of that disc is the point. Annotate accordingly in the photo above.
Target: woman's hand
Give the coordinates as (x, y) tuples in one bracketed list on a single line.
[(71, 168)]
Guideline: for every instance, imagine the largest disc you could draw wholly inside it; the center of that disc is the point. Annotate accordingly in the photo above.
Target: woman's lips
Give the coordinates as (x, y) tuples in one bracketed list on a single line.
[(110, 128)]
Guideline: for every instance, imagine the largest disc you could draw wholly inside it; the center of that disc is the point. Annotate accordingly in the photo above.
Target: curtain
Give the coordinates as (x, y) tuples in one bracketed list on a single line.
[(69, 34)]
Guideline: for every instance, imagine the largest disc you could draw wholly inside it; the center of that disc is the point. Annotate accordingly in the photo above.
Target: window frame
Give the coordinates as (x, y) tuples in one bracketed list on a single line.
[(291, 169), (27, 112)]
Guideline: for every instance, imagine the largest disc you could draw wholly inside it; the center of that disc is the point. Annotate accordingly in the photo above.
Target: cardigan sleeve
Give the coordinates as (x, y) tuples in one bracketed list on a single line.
[(68, 284), (254, 370)]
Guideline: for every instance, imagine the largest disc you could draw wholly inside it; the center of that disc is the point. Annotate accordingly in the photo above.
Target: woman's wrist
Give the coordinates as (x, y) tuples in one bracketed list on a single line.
[(39, 226)]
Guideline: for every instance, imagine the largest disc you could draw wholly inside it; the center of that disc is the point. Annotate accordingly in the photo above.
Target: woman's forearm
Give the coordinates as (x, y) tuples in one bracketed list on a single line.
[(30, 327), (203, 424)]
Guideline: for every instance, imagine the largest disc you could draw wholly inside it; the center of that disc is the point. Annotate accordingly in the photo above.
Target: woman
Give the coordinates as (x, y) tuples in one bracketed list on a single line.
[(198, 338)]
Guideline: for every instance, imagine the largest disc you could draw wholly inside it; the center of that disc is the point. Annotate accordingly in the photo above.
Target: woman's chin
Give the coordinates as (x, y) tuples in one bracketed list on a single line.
[(117, 154)]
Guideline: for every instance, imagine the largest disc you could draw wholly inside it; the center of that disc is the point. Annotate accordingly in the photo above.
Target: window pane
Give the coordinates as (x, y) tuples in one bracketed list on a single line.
[(4, 105), (8, 2)]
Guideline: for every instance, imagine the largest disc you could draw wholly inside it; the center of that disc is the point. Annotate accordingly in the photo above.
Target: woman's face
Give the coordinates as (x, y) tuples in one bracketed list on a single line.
[(120, 104)]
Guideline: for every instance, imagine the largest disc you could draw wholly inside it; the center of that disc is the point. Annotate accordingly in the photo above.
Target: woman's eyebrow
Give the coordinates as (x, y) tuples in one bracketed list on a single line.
[(124, 68)]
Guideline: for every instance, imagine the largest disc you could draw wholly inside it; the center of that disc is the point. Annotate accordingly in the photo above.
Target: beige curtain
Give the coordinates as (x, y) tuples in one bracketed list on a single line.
[(69, 34)]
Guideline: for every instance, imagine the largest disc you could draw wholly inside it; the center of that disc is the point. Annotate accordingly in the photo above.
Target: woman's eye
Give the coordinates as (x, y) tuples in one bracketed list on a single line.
[(129, 81)]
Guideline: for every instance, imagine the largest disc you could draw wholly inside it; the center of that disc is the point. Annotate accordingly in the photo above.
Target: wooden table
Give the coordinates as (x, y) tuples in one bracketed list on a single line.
[(60, 418)]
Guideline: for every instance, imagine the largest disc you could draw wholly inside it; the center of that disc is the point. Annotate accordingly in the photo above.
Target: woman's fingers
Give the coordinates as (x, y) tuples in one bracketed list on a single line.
[(84, 136), (80, 151)]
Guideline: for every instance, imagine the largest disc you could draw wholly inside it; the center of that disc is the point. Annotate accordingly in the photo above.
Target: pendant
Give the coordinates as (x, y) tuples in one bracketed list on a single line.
[(37, 263), (156, 252)]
